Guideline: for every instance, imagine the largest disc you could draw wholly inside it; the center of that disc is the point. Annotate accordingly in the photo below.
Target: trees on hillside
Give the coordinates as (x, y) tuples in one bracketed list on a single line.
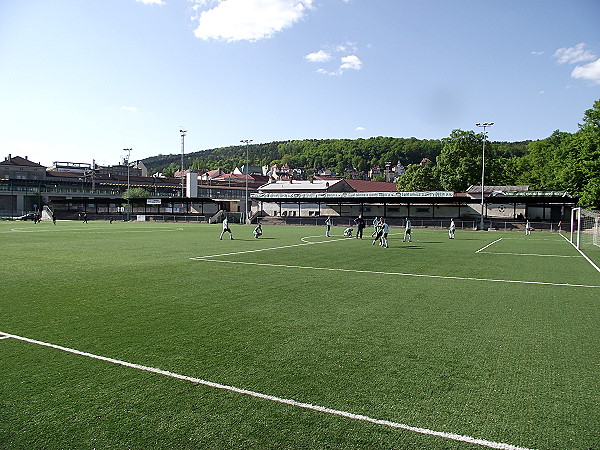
[(459, 163), (563, 161), (568, 161)]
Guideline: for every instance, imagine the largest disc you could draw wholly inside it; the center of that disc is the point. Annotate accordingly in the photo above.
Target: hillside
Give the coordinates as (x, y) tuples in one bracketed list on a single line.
[(334, 154)]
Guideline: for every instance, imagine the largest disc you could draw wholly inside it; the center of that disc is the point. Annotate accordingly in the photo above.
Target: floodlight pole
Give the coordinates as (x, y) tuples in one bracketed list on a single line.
[(483, 125), (128, 150), (247, 142), (182, 132)]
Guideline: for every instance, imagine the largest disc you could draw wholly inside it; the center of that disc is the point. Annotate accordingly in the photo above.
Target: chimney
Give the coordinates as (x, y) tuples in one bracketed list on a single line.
[(26, 158)]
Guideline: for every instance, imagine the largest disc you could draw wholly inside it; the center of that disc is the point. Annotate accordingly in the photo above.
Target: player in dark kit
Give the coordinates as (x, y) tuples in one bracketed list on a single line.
[(360, 225)]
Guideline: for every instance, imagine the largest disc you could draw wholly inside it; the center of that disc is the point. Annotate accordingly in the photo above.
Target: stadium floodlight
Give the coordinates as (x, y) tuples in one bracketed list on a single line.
[(182, 132), (483, 125), (247, 142), (128, 150)]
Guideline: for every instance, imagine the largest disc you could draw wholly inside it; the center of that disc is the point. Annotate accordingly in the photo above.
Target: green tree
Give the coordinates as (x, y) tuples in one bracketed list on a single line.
[(170, 169), (418, 178), (581, 173), (459, 163), (136, 192)]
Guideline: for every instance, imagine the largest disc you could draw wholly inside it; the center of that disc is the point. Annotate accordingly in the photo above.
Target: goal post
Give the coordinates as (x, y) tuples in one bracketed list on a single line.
[(585, 228), (47, 213)]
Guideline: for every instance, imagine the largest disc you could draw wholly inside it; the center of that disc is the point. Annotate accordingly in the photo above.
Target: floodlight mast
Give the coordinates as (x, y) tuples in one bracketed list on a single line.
[(128, 150), (483, 125), (182, 133), (247, 142)]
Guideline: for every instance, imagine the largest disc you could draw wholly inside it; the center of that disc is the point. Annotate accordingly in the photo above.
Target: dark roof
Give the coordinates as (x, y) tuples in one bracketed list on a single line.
[(371, 186), (18, 161)]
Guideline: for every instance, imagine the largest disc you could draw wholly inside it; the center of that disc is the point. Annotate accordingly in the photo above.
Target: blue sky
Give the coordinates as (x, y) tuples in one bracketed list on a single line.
[(81, 80)]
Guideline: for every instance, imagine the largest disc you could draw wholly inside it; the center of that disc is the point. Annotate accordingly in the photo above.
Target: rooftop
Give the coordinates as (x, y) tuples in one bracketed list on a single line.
[(18, 161), (299, 185)]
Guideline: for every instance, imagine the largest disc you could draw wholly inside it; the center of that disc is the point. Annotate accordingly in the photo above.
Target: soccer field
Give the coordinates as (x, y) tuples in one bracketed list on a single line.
[(152, 335)]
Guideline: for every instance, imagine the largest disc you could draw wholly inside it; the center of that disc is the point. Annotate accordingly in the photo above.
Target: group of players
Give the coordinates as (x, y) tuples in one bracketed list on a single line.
[(380, 230)]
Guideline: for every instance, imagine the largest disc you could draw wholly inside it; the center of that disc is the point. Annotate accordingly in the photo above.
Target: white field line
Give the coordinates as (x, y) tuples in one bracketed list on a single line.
[(304, 243), (271, 248), (530, 254), (529, 239), (322, 409), (582, 254), (481, 250), (489, 245), (285, 266)]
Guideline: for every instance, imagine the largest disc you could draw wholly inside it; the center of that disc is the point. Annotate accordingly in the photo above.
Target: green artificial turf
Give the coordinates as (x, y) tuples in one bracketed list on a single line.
[(500, 344)]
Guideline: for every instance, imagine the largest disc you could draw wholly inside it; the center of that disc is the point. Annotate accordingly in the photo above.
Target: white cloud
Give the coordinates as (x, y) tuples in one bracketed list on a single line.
[(589, 72), (250, 20), (537, 53), (320, 56), (350, 62), (359, 128), (572, 55), (346, 63), (129, 108), (151, 2)]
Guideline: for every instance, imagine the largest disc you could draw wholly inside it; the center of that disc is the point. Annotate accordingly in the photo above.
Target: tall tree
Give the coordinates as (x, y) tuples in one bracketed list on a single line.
[(582, 173), (459, 163), (418, 178)]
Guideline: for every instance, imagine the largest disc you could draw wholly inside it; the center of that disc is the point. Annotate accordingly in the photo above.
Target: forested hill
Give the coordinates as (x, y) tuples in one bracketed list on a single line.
[(562, 162), (334, 154)]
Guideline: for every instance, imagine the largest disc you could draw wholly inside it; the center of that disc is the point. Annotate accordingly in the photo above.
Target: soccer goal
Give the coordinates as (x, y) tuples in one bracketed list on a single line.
[(47, 213), (585, 227)]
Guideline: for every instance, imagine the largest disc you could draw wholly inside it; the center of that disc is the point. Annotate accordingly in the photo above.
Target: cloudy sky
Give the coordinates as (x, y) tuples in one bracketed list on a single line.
[(80, 80)]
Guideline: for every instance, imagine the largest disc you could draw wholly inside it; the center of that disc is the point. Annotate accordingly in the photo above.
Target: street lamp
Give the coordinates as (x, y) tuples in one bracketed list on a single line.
[(182, 132), (128, 150), (483, 125), (247, 142)]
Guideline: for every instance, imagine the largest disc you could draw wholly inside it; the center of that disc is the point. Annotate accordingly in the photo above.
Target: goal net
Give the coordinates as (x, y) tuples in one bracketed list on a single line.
[(47, 213), (585, 228)]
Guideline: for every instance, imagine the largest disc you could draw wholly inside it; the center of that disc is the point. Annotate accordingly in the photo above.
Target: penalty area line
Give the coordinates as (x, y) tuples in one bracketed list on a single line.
[(421, 275), (290, 402), (489, 245), (531, 254), (582, 254), (269, 248)]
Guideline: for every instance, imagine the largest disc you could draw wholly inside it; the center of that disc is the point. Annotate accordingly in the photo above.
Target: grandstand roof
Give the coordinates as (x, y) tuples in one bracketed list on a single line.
[(371, 186)]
